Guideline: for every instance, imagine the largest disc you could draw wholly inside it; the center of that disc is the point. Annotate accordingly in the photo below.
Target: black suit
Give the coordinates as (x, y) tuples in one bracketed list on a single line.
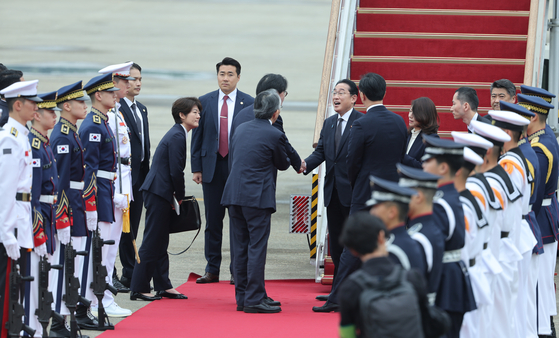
[(250, 194), (337, 190), (5, 113), (214, 168), (417, 150), (164, 181), (247, 114), (140, 170)]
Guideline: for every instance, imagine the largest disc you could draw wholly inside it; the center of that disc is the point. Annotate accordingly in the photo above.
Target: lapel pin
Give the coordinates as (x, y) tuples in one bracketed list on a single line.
[(241, 102)]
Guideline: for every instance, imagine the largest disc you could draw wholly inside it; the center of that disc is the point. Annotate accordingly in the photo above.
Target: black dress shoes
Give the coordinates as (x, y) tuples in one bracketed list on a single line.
[(323, 298), (327, 307), (140, 296), (240, 308), (87, 321), (59, 330), (270, 302), (208, 278), (124, 281), (121, 288), (171, 295), (232, 281), (261, 308)]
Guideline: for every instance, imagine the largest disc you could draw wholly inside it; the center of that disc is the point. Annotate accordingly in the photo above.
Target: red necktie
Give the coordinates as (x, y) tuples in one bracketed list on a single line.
[(223, 127)]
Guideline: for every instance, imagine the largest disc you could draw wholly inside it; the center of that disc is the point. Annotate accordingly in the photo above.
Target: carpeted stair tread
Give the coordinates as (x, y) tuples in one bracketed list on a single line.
[(517, 5)]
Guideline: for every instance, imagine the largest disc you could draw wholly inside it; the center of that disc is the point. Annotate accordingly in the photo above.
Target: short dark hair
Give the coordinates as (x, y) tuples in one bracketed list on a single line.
[(361, 231), (505, 84), (10, 102), (266, 104), (136, 66), (9, 76), (184, 105), (428, 193), (2, 67), (271, 81), (353, 90), (425, 114), (468, 94), (372, 86), (454, 162), (229, 62)]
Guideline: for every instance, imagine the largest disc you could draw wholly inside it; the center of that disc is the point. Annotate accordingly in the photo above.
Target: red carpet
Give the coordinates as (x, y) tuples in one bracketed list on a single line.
[(209, 311)]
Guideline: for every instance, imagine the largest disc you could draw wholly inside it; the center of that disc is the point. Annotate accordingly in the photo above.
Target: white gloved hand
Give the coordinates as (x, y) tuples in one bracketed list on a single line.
[(91, 220), (64, 235), (12, 250), (121, 201), (41, 250)]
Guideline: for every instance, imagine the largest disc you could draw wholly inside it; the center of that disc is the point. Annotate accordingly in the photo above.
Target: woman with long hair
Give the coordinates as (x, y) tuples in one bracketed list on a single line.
[(423, 119)]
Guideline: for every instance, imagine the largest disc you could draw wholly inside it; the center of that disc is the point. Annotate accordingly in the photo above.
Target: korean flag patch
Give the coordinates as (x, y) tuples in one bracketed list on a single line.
[(36, 163), (63, 149), (94, 137)]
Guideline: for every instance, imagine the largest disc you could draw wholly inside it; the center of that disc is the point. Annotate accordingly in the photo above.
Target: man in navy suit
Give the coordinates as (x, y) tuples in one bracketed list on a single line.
[(136, 117), (332, 148), (279, 83), (209, 156), (250, 194)]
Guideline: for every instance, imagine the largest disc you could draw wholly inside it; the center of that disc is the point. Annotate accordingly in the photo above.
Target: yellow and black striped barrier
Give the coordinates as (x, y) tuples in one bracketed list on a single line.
[(314, 213)]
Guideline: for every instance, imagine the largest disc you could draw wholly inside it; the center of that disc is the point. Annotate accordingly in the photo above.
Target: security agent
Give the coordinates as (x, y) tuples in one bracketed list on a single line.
[(455, 296), (16, 170), (421, 225), (543, 142), (502, 90), (7, 78), (464, 106)]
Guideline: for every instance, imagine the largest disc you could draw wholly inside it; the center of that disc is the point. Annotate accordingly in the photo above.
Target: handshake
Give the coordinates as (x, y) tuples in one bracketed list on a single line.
[(303, 167)]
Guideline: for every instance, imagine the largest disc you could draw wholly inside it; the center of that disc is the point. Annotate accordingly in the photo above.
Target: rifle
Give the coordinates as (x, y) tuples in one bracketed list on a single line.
[(72, 296), (99, 283), (44, 312), (16, 322)]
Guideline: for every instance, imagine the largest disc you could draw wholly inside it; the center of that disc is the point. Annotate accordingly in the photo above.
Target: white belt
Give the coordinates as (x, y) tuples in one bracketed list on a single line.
[(546, 202), (431, 297), (452, 256), (530, 207), (76, 185), (50, 199), (108, 175)]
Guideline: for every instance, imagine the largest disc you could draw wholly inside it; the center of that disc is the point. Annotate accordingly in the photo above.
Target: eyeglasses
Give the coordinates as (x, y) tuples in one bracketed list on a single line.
[(340, 93)]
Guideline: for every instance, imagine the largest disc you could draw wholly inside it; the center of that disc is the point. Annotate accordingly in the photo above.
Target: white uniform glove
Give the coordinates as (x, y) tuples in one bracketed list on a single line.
[(64, 235), (91, 220), (12, 250), (41, 250), (121, 201)]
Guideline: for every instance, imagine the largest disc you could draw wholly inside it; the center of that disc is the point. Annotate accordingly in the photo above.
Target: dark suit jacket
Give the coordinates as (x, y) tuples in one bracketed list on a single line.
[(5, 113), (417, 150), (205, 144), (255, 160), (247, 114), (377, 141), (336, 166), (166, 177), (138, 167)]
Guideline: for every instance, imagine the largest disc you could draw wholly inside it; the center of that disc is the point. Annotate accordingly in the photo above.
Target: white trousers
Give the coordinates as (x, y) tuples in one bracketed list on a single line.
[(31, 295), (546, 288), (525, 315), (110, 231)]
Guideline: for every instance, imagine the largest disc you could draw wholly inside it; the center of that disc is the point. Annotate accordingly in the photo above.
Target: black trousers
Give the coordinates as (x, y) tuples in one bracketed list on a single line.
[(337, 215), (215, 212), (5, 265), (125, 248), (154, 260)]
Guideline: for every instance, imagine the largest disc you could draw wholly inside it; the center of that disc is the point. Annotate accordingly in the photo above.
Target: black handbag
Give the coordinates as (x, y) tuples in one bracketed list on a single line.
[(189, 217)]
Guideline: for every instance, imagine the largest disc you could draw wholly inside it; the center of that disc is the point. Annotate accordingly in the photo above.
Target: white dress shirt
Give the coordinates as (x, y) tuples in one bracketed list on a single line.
[(230, 110)]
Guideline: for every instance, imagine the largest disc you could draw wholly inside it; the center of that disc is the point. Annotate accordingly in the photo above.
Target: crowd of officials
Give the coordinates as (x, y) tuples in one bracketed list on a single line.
[(475, 218)]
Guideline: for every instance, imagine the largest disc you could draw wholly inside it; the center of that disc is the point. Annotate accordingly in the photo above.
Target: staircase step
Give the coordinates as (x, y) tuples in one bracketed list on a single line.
[(518, 5), (408, 21), (435, 44)]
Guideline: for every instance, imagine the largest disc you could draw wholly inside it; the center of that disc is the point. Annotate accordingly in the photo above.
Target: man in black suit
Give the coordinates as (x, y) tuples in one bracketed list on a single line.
[(464, 106), (279, 83), (7, 78), (136, 117), (376, 142), (332, 148), (209, 156), (250, 194)]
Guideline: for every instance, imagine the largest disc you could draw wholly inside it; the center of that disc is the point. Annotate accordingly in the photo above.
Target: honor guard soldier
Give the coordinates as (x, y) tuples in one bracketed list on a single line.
[(16, 170), (122, 185), (70, 210), (421, 226), (389, 202), (45, 183), (100, 166), (503, 239), (544, 144), (455, 296), (515, 164), (547, 97)]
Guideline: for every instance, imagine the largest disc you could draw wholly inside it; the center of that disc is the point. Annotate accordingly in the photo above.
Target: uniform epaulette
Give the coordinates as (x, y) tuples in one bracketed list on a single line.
[(14, 131), (96, 119), (36, 143), (65, 130)]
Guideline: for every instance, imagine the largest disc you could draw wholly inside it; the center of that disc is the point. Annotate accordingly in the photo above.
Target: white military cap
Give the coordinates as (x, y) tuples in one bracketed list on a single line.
[(494, 134), (472, 157), (25, 89), (475, 142), (121, 70), (508, 120)]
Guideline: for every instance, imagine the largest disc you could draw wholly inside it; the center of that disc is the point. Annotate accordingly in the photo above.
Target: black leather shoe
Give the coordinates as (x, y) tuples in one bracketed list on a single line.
[(60, 330), (120, 287), (140, 296), (270, 302), (87, 321), (261, 308), (171, 295), (323, 298), (208, 278), (327, 307), (232, 281), (240, 308), (125, 281)]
